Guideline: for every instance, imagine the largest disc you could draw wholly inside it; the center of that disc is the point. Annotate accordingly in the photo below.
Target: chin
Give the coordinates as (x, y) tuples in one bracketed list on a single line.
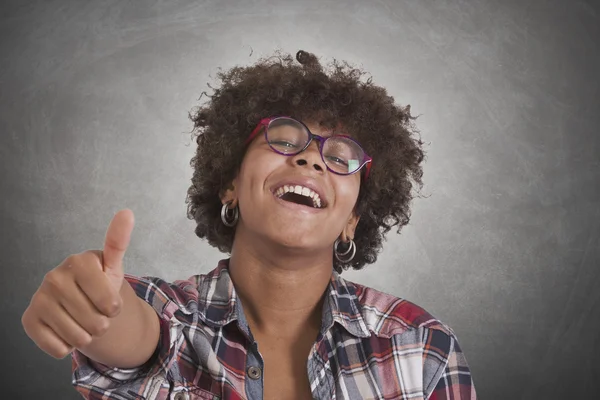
[(295, 239)]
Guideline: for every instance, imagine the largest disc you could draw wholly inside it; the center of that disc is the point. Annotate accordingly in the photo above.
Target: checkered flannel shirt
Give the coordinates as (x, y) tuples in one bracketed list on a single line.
[(371, 346)]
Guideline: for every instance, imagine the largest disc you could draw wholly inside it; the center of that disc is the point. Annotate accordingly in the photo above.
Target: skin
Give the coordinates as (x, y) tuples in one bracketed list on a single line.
[(282, 258), (86, 304), (281, 264)]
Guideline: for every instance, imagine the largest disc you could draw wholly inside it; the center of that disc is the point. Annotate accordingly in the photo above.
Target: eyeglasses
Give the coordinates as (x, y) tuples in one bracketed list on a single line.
[(341, 154)]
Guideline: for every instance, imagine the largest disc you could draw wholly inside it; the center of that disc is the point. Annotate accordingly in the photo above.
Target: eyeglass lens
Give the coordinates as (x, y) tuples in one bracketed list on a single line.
[(287, 136)]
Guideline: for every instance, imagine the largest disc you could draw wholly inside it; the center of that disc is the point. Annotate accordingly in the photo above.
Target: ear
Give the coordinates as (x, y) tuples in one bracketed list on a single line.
[(348, 232), (229, 194)]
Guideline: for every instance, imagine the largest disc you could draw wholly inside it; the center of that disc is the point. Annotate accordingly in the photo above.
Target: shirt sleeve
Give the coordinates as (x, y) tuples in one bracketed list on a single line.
[(94, 380), (452, 378)]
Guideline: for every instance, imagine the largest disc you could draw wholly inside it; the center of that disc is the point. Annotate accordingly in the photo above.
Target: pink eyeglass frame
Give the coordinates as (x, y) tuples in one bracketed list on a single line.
[(265, 122)]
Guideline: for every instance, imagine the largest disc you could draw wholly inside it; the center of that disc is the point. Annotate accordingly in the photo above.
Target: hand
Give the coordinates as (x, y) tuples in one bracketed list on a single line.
[(76, 300)]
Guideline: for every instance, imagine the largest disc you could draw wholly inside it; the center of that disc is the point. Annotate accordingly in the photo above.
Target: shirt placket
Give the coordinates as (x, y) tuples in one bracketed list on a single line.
[(254, 373)]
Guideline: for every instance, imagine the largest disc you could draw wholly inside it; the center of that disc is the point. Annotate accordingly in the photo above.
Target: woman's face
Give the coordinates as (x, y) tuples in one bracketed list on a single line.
[(313, 219)]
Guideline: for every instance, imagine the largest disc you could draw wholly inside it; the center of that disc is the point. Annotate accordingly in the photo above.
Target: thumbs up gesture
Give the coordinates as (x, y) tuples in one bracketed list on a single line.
[(76, 301)]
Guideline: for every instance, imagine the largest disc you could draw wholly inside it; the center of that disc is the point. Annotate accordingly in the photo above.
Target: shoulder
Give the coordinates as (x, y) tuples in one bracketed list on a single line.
[(417, 338), (167, 297), (388, 315), (188, 296), (177, 290), (389, 321)]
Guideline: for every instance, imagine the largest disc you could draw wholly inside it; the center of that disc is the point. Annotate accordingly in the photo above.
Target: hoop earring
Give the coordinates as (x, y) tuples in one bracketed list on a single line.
[(341, 256), (229, 216)]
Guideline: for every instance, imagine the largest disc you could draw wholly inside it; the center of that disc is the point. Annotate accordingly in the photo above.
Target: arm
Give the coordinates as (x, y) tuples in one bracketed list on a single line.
[(99, 380), (132, 336)]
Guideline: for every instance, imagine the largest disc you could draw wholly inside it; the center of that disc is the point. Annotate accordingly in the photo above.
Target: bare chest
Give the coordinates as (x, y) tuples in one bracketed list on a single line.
[(285, 370)]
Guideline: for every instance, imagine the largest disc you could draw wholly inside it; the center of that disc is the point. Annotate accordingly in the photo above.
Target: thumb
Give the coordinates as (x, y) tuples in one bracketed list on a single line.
[(116, 242)]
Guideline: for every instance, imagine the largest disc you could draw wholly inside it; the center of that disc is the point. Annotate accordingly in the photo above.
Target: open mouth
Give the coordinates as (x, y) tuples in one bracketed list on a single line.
[(300, 195)]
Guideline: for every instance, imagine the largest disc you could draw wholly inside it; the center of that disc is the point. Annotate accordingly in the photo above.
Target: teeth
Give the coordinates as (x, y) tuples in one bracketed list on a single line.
[(301, 190)]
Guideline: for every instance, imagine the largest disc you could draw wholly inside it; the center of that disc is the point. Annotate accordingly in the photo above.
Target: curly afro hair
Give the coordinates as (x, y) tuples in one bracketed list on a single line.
[(329, 96)]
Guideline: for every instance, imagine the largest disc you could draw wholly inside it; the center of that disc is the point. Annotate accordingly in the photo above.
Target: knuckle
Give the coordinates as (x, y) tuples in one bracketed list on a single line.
[(100, 326), (81, 265), (111, 306), (54, 279), (94, 254), (58, 352), (42, 302), (71, 258), (29, 323), (39, 302), (26, 318), (89, 257), (80, 261), (81, 340), (55, 350), (73, 262)]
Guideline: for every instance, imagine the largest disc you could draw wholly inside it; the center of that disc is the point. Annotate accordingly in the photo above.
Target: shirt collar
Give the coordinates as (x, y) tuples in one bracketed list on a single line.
[(219, 304), (343, 306)]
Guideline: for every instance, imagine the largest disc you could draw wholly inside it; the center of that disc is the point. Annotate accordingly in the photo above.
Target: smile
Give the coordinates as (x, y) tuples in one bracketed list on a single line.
[(300, 195)]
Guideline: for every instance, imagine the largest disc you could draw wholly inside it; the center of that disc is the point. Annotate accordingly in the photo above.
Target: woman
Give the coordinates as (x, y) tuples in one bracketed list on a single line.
[(299, 174)]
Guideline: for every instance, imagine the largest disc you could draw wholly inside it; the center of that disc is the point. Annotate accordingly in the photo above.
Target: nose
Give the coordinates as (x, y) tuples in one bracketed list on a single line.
[(311, 157)]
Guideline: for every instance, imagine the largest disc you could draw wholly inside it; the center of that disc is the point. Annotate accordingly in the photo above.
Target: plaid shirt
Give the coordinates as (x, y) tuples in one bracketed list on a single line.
[(371, 346)]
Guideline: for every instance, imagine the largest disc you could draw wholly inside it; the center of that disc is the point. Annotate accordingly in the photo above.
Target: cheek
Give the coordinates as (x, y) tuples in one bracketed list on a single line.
[(255, 170), (347, 194)]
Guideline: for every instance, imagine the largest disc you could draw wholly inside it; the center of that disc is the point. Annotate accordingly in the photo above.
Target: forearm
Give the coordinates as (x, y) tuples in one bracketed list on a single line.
[(132, 336)]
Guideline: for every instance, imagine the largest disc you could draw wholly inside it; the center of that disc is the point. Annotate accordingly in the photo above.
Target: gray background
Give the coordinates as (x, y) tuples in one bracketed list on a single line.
[(93, 118)]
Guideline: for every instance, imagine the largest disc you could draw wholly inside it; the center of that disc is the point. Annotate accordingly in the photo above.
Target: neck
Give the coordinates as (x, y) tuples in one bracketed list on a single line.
[(282, 294)]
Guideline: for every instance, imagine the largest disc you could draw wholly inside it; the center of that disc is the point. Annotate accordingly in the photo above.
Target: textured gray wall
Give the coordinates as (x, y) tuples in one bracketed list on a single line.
[(93, 118)]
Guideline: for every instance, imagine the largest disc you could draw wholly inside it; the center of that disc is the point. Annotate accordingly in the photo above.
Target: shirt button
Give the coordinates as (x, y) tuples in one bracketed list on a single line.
[(181, 396), (254, 373)]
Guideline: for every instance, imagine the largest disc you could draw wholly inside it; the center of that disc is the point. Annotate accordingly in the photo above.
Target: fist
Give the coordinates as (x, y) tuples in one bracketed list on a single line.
[(77, 299)]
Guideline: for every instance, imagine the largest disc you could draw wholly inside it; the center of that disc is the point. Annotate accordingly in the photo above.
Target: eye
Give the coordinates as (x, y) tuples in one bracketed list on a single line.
[(283, 143), (337, 160)]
